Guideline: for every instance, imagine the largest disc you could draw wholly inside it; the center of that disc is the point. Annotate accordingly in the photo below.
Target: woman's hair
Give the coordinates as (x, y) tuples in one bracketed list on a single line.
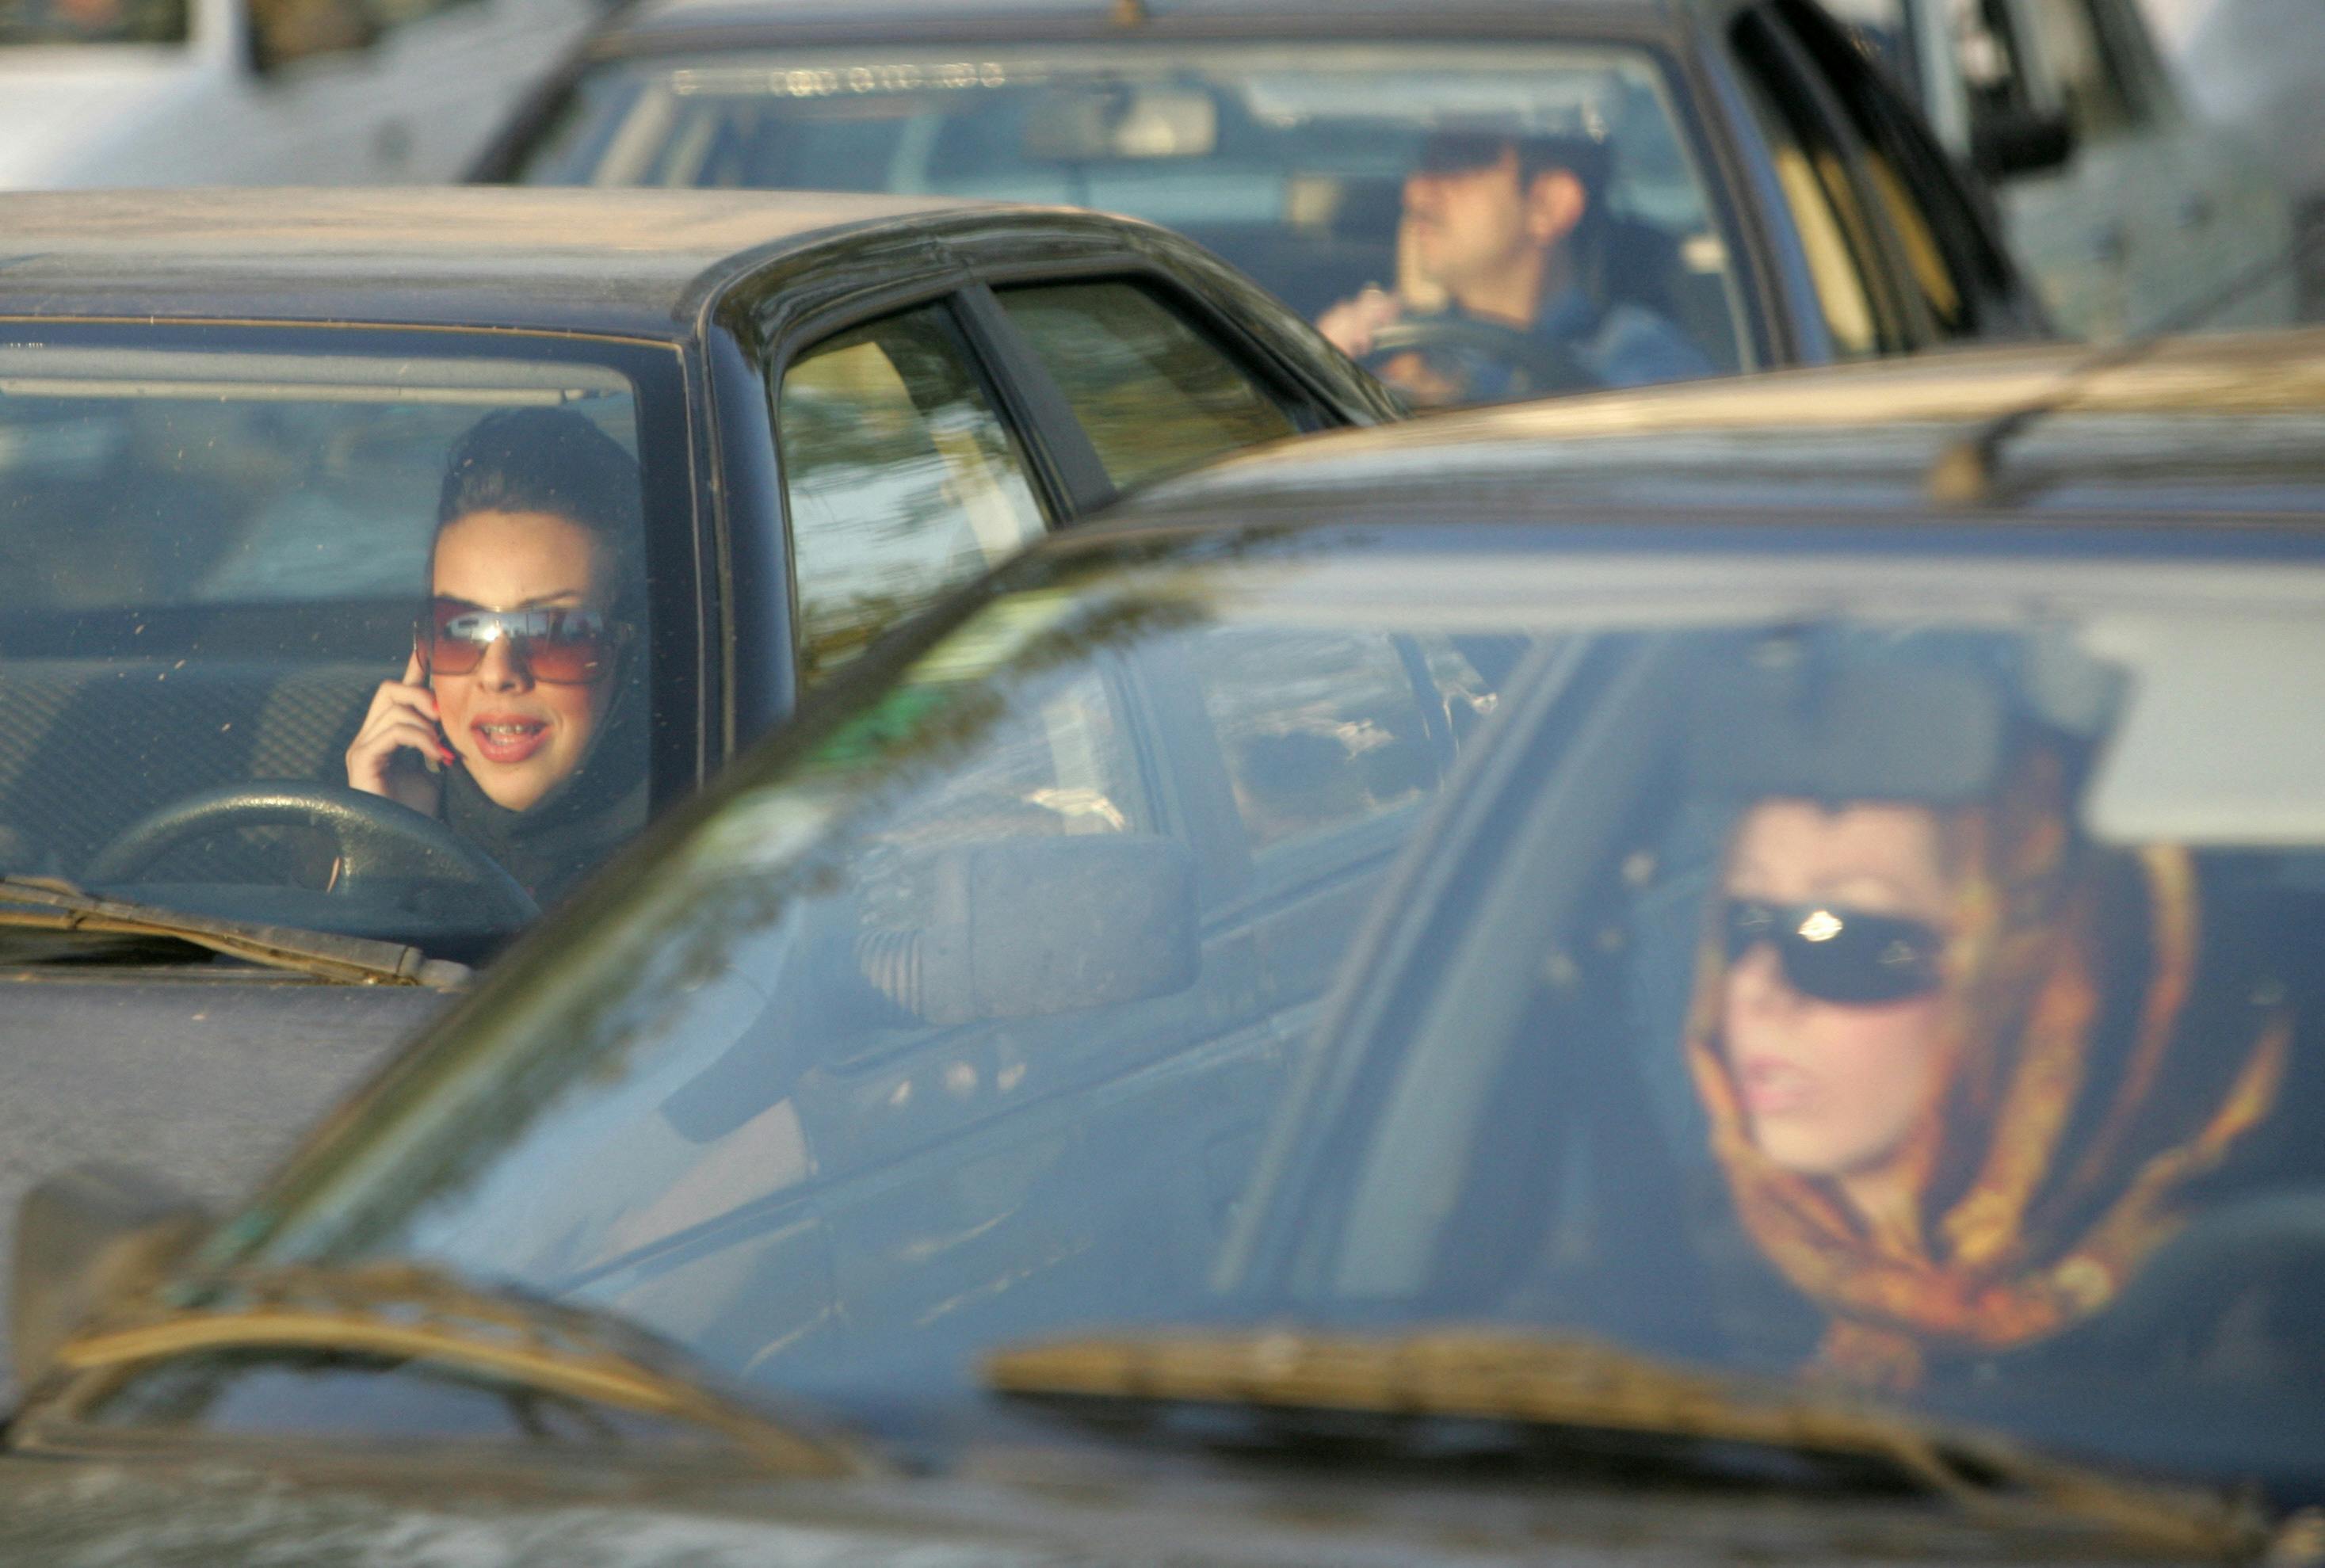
[(556, 461)]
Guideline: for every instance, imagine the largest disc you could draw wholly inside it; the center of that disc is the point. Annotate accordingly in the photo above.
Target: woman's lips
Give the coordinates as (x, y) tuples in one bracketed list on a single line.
[(1771, 1086), (506, 739)]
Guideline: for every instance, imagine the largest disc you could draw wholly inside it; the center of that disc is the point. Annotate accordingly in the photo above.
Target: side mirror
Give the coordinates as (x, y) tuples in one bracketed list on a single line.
[(1023, 927), (86, 1238), (285, 32), (2007, 142)]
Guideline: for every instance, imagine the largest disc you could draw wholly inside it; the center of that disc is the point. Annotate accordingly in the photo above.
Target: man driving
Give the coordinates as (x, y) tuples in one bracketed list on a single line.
[(1508, 286)]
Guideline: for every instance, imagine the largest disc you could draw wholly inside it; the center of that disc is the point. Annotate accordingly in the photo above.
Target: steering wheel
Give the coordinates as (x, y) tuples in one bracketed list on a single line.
[(1537, 365), (377, 840)]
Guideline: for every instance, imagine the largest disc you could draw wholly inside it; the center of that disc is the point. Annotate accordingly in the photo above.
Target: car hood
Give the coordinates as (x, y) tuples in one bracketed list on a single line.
[(1070, 1507), (201, 1076), (64, 111)]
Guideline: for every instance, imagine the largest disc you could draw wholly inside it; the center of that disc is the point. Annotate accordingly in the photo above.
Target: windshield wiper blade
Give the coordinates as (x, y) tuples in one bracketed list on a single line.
[(410, 1312), (1585, 1385), (59, 905)]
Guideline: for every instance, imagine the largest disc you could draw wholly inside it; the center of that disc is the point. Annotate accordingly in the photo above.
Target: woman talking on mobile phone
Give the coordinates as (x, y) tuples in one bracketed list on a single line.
[(519, 716)]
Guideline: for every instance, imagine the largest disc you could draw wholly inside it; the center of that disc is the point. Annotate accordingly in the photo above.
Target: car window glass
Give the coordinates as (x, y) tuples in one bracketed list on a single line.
[(1778, 911), (1154, 393), (1925, 260), (211, 561), (1319, 733), (1290, 162), (1005, 920), (1812, 167), (900, 477), (711, 1116)]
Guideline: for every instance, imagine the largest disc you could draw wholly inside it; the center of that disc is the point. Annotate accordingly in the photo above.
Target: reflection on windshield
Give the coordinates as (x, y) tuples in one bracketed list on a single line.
[(1793, 990), (232, 584), (1473, 224)]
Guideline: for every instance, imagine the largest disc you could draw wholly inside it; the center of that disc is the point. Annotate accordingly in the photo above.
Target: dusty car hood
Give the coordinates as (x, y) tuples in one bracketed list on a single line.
[(1071, 1510)]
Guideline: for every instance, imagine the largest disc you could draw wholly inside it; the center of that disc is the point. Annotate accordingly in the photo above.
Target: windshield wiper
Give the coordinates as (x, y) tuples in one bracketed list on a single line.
[(59, 905), (410, 1312), (1584, 1385)]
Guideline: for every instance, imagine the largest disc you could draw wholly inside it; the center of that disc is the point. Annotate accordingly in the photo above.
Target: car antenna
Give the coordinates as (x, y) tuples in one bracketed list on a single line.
[(1964, 473)]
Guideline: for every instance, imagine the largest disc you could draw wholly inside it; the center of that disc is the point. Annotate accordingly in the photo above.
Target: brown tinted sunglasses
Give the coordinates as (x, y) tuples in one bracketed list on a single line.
[(560, 646)]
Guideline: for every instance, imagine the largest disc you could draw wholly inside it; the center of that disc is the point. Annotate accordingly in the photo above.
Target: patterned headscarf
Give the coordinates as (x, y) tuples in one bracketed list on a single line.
[(2076, 1104)]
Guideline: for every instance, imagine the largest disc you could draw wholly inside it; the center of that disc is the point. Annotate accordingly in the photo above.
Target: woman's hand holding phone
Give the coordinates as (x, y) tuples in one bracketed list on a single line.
[(400, 747)]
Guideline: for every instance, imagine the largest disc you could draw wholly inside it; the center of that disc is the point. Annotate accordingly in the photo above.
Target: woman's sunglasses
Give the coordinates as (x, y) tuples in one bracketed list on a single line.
[(1839, 955), (560, 646)]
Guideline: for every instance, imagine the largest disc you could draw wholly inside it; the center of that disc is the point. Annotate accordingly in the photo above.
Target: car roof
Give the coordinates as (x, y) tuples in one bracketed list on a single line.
[(633, 263), (2225, 429), (652, 24)]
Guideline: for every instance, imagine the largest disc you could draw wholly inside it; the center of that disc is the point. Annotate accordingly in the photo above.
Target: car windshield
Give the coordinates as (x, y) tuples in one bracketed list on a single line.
[(74, 21), (1323, 171), (280, 609), (1896, 971)]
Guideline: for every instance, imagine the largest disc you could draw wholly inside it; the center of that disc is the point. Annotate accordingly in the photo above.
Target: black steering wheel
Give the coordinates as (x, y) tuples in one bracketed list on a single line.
[(377, 841), (1538, 365)]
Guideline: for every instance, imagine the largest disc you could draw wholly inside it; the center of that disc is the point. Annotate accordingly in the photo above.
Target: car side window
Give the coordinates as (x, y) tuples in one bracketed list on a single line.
[(901, 479), (1950, 262), (1811, 165), (1154, 393), (1320, 733)]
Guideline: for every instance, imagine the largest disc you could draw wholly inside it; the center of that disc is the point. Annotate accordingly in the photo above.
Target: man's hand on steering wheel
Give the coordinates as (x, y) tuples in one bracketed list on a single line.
[(1449, 358), (1433, 358), (1350, 325)]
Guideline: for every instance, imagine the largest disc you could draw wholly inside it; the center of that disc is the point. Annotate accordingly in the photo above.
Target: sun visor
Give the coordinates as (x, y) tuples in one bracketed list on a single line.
[(2223, 740), (1839, 729)]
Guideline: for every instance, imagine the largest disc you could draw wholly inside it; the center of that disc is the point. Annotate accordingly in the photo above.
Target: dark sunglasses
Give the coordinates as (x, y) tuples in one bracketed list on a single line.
[(1839, 955), (560, 646)]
